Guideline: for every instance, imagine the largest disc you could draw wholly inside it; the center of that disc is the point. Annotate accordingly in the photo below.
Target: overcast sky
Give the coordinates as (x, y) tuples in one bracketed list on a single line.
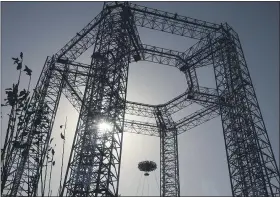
[(40, 29)]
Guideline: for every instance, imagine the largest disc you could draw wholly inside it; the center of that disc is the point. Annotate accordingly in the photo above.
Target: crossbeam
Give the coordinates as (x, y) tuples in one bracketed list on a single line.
[(197, 118), (171, 23), (98, 92), (83, 40), (143, 128)]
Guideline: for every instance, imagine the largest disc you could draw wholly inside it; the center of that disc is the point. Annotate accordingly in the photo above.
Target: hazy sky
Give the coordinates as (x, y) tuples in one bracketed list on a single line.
[(40, 29)]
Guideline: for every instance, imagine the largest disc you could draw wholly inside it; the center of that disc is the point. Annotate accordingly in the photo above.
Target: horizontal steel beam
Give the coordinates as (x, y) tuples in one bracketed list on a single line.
[(197, 118), (83, 39), (143, 128), (171, 23)]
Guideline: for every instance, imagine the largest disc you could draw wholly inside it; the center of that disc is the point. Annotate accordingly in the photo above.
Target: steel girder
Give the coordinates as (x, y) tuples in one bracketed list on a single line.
[(83, 40), (202, 59), (185, 124), (201, 116), (156, 55), (169, 162), (93, 168), (139, 127), (22, 166), (75, 81), (206, 95), (171, 23), (252, 166)]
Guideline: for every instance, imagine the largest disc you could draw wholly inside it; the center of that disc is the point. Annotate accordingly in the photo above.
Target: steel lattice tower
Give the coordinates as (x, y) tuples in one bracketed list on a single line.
[(94, 164)]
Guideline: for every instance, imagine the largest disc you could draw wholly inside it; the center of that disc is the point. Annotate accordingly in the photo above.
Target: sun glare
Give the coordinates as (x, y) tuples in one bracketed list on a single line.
[(105, 127)]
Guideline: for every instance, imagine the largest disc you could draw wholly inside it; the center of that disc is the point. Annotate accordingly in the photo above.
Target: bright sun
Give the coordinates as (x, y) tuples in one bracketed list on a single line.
[(105, 127)]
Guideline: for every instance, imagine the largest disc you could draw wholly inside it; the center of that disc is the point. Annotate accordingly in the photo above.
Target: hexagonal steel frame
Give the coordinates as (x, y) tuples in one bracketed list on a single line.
[(94, 164)]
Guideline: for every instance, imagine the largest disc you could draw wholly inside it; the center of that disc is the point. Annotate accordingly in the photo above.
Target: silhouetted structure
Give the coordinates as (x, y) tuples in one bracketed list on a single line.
[(94, 164), (147, 166)]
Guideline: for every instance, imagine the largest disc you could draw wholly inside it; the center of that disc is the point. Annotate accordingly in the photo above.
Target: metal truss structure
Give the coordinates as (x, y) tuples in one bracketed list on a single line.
[(98, 92)]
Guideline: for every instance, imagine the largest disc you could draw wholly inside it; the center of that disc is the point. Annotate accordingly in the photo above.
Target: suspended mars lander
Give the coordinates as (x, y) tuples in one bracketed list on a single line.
[(147, 166), (98, 91)]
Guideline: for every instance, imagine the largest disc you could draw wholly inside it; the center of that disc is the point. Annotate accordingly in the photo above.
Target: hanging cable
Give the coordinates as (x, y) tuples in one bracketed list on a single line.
[(143, 145), (144, 182), (157, 182), (139, 184), (143, 185), (148, 186), (146, 167)]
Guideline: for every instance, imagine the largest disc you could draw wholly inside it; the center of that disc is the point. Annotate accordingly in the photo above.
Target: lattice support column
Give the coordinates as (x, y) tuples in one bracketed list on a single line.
[(75, 81), (252, 167), (93, 168), (94, 163), (23, 164), (169, 163)]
